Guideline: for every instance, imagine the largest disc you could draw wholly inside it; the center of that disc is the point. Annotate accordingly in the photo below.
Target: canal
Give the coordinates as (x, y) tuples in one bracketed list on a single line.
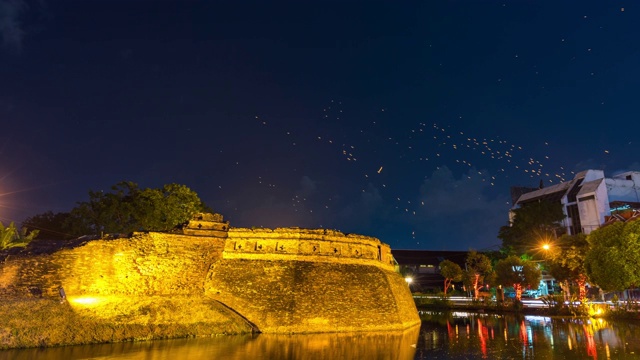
[(456, 335)]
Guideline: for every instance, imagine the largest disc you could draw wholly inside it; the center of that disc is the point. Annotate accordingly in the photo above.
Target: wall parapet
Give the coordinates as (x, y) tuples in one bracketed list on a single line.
[(206, 224), (306, 245)]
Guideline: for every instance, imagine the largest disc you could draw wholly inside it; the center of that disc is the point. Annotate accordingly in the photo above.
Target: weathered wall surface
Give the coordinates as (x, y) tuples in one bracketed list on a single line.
[(306, 244), (306, 296), (300, 280), (149, 286), (284, 280), (144, 264), (44, 322)]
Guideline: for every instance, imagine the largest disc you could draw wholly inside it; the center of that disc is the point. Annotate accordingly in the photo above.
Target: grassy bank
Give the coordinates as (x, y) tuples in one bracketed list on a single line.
[(47, 322)]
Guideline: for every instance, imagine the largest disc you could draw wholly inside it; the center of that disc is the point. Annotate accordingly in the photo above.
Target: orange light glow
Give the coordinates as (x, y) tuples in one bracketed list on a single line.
[(85, 300), (482, 336)]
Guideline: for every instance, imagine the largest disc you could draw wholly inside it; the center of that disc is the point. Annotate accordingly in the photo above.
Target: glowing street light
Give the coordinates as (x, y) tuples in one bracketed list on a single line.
[(408, 279)]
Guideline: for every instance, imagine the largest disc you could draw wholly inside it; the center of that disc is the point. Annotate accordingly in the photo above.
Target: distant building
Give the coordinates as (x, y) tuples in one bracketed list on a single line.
[(422, 266), (590, 200)]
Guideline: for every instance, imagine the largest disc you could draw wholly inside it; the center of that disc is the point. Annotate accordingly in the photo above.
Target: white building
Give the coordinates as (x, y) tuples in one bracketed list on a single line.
[(590, 199)]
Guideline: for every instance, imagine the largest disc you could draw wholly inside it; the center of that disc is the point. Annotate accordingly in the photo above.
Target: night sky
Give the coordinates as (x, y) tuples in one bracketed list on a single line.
[(407, 121)]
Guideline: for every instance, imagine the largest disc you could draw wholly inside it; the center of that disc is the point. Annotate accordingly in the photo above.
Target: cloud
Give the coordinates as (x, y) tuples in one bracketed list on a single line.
[(459, 213), (367, 209), (444, 195), (631, 167), (608, 168), (307, 187), (10, 27), (587, 164), (273, 207)]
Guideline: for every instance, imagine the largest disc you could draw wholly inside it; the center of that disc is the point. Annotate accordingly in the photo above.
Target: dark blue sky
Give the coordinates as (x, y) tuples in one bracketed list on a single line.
[(407, 121)]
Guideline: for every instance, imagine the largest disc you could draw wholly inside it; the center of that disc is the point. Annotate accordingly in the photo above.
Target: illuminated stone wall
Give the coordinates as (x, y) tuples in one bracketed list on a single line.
[(306, 296), (144, 264), (282, 280), (306, 245), (301, 280)]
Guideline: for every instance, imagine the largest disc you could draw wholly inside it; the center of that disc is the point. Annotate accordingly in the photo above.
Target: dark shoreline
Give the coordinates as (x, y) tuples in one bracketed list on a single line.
[(618, 315)]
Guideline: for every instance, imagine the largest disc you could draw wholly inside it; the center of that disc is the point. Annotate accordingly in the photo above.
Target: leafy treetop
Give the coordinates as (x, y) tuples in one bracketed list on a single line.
[(613, 259), (513, 271), (126, 208), (451, 272), (530, 224)]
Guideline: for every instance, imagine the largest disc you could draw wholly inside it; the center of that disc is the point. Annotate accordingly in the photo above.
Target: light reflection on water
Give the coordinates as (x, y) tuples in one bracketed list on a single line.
[(381, 345), (441, 336), (486, 336)]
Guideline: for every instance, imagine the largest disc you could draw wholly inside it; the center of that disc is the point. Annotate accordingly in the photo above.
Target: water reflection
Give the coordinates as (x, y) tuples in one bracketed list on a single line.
[(485, 336), (382, 346), (441, 336)]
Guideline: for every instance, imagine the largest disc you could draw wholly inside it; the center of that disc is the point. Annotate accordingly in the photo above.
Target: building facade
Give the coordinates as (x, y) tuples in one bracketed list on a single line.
[(423, 267), (590, 199)]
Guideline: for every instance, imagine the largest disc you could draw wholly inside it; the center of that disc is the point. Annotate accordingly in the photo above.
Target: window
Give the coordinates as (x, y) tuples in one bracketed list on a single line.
[(427, 269), (571, 197), (574, 215)]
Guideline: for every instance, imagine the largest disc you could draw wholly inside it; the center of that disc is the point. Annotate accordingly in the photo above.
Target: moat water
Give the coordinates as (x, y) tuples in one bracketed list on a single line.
[(441, 336)]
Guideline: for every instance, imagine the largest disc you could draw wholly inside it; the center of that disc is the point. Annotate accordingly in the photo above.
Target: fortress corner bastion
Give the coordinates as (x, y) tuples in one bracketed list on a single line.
[(203, 279)]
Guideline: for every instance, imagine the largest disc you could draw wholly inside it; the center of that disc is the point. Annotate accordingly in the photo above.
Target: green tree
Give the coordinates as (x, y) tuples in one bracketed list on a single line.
[(613, 259), (124, 209), (478, 267), (163, 209), (10, 237), (531, 223), (566, 260), (52, 226), (111, 212), (513, 271), (451, 272)]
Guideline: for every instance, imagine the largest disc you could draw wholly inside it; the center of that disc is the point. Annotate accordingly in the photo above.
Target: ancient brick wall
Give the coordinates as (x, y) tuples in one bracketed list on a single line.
[(302, 280), (144, 264), (306, 244), (306, 296), (282, 280)]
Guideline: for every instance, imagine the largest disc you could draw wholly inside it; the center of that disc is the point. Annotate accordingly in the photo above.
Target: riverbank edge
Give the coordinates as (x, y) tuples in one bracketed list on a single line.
[(29, 323), (617, 314), (46, 323)]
